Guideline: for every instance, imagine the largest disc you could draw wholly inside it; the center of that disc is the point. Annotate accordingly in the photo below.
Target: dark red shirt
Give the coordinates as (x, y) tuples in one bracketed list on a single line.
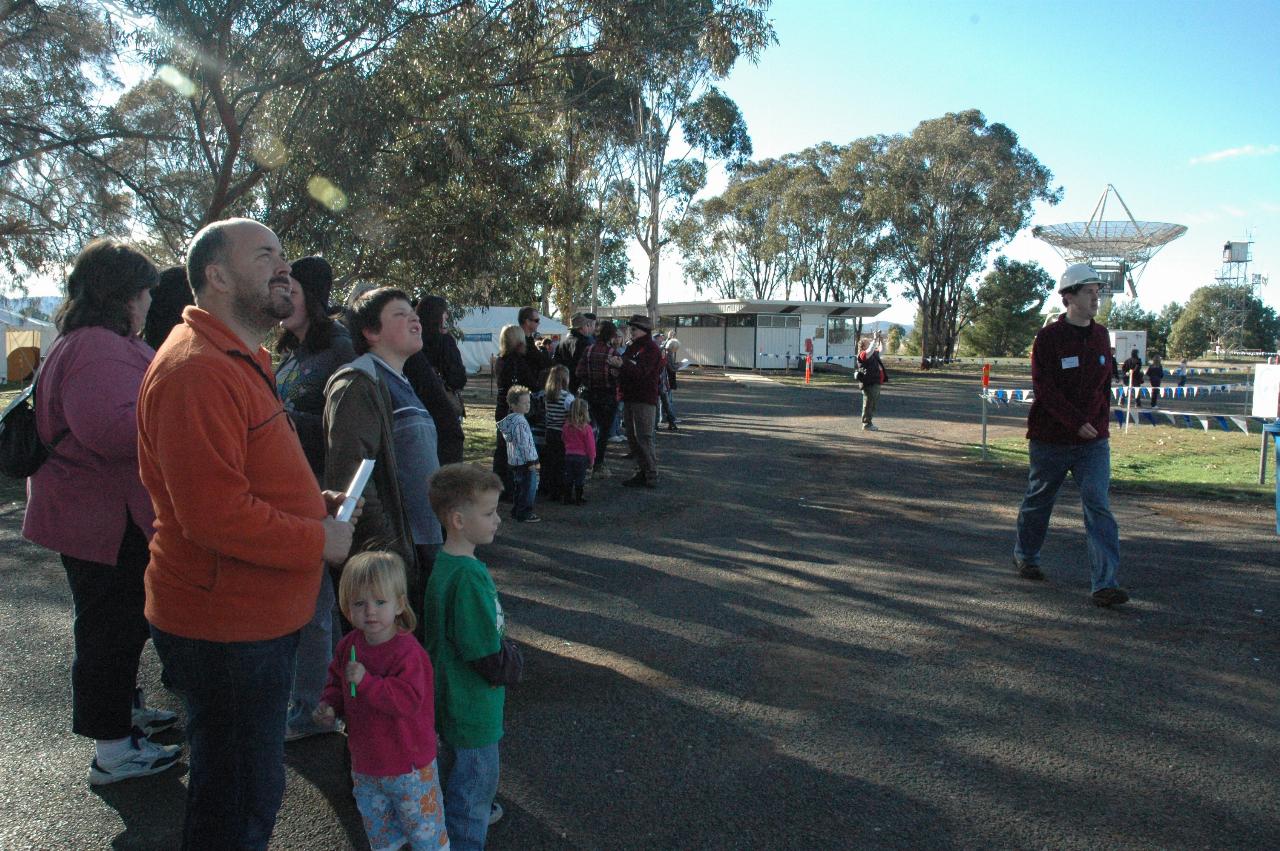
[(1071, 370)]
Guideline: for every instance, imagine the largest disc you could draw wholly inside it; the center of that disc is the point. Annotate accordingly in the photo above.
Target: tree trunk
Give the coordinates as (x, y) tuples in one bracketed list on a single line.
[(655, 250)]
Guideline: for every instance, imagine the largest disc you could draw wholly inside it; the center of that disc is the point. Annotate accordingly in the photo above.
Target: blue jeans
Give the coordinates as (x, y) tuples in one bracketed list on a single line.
[(311, 665), (1090, 466), (526, 488), (470, 783), (236, 696), (666, 409)]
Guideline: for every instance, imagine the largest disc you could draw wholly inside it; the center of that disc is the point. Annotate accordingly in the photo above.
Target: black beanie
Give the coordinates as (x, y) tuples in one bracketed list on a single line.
[(316, 277)]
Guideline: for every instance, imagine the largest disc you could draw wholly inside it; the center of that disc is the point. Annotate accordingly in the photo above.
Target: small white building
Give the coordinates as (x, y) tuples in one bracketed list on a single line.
[(759, 334)]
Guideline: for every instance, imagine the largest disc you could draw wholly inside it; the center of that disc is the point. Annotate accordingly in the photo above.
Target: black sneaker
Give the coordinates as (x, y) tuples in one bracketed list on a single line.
[(1027, 570), (635, 481), (1107, 597)]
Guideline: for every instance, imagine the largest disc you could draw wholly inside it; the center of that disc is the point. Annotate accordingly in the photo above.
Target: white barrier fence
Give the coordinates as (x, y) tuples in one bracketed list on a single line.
[(1149, 416)]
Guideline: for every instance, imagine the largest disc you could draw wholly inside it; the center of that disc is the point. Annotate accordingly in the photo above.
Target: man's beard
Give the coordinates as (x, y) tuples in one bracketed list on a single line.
[(260, 312)]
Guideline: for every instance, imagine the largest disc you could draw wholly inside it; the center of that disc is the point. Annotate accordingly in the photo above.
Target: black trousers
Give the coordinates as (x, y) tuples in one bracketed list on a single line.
[(603, 405), (110, 631), (552, 476)]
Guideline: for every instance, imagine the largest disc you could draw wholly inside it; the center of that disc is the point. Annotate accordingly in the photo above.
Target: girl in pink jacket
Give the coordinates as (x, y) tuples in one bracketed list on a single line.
[(579, 450)]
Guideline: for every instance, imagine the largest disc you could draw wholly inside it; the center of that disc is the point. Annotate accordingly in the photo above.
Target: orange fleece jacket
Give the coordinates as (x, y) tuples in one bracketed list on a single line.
[(238, 549)]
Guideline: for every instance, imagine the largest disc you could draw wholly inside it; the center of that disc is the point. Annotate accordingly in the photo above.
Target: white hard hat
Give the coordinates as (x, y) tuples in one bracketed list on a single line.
[(1078, 274)]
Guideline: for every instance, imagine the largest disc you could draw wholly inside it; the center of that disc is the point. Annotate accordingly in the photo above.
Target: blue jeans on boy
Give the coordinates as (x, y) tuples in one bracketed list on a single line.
[(470, 778), (526, 488), (236, 696), (1090, 466)]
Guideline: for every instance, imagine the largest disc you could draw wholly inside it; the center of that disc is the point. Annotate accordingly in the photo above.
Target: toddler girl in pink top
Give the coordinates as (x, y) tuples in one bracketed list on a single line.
[(381, 683), (579, 450)]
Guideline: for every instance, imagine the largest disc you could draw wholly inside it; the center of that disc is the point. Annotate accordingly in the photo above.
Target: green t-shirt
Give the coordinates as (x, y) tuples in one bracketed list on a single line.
[(464, 622)]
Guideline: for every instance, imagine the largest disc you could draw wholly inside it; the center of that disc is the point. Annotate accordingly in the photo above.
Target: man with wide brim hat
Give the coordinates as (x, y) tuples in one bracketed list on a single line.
[(1071, 366), (638, 376)]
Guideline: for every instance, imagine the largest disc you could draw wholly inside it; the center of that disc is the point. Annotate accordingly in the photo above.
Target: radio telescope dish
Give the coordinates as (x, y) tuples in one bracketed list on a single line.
[(1117, 249)]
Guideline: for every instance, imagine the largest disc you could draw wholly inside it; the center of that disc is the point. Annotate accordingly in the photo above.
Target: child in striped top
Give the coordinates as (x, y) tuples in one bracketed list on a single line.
[(558, 400)]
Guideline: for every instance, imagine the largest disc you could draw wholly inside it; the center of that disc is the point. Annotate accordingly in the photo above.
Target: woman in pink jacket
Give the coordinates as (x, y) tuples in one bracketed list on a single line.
[(87, 503)]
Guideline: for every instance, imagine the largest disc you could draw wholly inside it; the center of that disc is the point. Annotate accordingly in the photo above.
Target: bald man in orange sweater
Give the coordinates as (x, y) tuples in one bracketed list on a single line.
[(242, 532)]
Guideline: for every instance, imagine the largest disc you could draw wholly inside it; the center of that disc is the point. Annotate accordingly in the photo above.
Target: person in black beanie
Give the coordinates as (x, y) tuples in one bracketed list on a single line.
[(168, 300)]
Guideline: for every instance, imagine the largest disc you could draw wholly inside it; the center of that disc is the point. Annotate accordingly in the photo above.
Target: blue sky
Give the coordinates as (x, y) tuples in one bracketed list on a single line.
[(1175, 103)]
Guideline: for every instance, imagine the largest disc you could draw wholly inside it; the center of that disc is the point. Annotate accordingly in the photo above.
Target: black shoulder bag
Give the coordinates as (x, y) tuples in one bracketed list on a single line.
[(21, 449)]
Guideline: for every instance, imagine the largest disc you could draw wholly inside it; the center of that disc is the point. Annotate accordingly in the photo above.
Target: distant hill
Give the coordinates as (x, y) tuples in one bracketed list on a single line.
[(41, 307), (881, 325)]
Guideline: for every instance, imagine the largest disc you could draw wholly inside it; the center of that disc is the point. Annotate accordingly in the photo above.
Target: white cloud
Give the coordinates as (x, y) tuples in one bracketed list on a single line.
[(1233, 212), (1231, 153)]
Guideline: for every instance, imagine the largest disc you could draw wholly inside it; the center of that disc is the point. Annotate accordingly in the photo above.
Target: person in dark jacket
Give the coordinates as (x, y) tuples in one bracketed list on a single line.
[(569, 352), (314, 346), (600, 383), (638, 375), (1155, 374), (1133, 375), (1067, 426), (873, 375), (438, 376), (511, 367), (534, 352), (168, 300)]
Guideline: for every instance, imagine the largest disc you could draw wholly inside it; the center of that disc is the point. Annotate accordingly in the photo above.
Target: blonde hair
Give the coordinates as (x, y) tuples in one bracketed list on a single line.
[(578, 413), (557, 382), (383, 574), (516, 391), (510, 339), (456, 485)]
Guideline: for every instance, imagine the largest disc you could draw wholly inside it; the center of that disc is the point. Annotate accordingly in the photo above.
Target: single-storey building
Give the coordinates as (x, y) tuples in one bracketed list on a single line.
[(759, 334)]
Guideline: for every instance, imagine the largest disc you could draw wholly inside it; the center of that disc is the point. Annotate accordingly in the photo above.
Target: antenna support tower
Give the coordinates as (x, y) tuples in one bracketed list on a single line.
[(1118, 249), (1236, 257)]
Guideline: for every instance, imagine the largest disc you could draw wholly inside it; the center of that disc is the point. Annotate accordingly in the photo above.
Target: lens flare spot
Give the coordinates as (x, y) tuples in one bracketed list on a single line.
[(327, 193), (270, 152), (176, 80)]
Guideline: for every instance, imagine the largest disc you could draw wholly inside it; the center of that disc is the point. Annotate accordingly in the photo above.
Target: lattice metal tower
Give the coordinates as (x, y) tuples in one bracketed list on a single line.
[(1244, 288)]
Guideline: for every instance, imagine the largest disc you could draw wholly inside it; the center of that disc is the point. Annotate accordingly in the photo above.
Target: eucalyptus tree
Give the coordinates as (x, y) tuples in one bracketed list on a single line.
[(951, 191), (673, 51), (55, 56), (732, 244)]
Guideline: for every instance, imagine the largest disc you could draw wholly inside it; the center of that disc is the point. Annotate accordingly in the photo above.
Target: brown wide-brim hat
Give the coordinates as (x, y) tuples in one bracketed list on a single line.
[(639, 320)]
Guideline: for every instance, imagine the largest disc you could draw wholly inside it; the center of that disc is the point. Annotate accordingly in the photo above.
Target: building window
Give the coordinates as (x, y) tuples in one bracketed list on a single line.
[(842, 330)]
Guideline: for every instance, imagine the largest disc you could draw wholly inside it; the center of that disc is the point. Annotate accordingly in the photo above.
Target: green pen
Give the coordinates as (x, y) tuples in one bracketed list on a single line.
[(353, 658)]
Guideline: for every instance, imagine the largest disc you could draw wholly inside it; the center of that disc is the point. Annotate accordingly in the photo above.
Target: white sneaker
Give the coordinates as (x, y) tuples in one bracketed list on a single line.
[(143, 757), (869, 427), (495, 813), (151, 721)]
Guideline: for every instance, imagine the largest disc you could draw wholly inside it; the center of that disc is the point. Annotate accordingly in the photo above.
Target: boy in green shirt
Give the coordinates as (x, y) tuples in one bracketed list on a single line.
[(473, 660)]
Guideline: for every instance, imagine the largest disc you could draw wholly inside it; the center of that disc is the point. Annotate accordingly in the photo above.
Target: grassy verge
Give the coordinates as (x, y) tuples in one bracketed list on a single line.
[(1171, 462), (480, 433)]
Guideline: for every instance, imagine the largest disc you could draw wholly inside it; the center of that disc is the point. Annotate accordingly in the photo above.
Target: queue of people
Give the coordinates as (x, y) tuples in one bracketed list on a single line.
[(184, 493)]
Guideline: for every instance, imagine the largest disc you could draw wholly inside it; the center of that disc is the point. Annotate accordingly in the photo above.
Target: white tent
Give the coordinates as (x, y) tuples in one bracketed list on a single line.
[(481, 327), (21, 332)]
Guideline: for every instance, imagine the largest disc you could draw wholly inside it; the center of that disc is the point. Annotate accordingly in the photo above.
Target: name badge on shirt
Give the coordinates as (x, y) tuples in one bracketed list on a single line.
[(1071, 362)]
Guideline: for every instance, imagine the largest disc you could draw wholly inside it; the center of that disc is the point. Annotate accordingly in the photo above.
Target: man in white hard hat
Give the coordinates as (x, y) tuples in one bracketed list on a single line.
[(1071, 366)]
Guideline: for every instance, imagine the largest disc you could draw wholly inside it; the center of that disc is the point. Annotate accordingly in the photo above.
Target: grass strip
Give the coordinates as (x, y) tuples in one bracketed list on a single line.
[(1168, 461)]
